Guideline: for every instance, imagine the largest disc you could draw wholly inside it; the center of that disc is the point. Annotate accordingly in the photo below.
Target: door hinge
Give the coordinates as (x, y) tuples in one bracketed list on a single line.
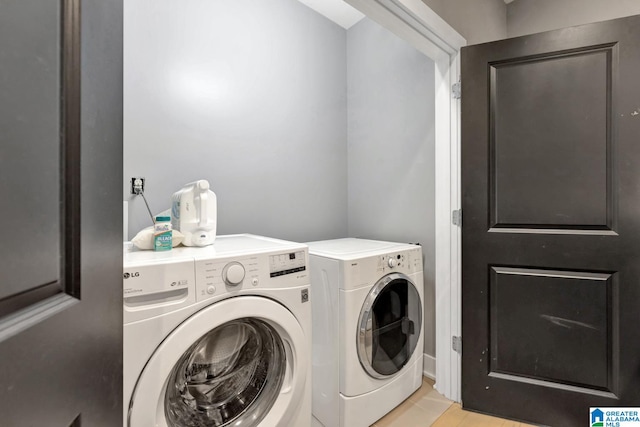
[(456, 90), (456, 344), (456, 217)]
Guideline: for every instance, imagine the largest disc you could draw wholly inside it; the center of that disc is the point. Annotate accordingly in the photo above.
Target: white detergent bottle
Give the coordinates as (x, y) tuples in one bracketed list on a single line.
[(194, 213)]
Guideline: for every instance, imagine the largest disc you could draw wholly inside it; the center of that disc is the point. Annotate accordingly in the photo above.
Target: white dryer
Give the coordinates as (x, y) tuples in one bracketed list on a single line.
[(367, 328), (218, 336)]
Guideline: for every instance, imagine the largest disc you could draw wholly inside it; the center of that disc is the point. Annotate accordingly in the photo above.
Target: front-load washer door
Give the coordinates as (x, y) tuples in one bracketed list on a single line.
[(239, 362), (389, 325)]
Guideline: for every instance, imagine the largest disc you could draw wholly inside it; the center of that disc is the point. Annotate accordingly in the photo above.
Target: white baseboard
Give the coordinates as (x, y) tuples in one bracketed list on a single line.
[(429, 366)]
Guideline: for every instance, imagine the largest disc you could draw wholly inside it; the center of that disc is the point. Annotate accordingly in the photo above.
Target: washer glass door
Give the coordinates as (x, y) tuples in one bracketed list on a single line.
[(389, 325), (231, 376), (238, 362)]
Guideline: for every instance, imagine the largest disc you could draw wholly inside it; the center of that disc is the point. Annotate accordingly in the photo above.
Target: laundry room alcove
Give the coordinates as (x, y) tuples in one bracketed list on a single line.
[(307, 129)]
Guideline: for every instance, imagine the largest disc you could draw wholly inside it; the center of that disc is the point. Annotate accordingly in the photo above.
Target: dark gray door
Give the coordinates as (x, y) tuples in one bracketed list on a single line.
[(60, 184), (551, 229)]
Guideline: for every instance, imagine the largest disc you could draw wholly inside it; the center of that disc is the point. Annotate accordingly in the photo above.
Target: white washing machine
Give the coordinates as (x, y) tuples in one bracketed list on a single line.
[(368, 294), (218, 336)]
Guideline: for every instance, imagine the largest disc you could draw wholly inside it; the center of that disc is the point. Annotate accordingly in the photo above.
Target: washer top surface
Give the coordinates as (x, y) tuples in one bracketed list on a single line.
[(353, 248), (224, 246)]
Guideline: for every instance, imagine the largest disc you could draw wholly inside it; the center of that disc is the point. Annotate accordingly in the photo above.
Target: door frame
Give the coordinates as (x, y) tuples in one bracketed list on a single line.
[(415, 22)]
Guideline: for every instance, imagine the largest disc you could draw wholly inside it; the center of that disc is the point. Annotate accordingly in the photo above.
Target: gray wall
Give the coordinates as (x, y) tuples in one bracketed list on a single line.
[(478, 21), (247, 94), (391, 151), (534, 16), (257, 104)]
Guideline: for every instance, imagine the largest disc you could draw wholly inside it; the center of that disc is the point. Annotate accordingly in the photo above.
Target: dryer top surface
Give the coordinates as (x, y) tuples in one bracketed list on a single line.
[(353, 248), (224, 246)]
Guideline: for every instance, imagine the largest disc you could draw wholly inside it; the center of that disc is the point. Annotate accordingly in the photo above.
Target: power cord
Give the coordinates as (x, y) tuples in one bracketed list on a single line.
[(149, 210)]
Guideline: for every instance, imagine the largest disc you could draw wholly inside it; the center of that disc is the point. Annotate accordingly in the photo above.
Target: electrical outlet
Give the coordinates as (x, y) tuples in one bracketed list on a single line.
[(137, 185)]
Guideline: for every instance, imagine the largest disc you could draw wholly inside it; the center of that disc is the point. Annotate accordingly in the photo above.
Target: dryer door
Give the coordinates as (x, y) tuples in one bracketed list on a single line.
[(238, 363), (389, 325)]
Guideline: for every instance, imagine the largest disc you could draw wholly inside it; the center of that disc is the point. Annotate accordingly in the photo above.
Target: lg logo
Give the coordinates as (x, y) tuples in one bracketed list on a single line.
[(135, 274)]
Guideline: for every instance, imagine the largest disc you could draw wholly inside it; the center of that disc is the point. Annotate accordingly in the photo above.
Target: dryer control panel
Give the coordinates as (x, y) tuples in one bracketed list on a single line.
[(365, 271), (407, 261)]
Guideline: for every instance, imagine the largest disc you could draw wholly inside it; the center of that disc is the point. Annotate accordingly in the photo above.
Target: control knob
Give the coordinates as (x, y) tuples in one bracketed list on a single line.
[(392, 262), (233, 273)]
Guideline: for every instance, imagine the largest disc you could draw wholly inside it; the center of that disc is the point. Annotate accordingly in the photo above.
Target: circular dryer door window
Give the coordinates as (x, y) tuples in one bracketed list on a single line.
[(230, 376), (389, 325)]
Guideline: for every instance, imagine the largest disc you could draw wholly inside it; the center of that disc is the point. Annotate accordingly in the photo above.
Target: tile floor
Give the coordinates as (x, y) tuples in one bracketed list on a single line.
[(426, 407)]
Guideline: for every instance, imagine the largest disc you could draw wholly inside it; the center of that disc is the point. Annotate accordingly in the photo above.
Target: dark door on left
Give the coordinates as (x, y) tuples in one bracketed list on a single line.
[(60, 189)]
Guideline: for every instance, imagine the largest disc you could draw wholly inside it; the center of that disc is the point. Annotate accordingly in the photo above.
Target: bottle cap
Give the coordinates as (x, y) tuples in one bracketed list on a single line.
[(163, 218)]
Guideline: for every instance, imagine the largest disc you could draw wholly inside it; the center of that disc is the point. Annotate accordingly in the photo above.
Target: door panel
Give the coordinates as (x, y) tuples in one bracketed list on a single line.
[(30, 111), (60, 179), (568, 329), (32, 153), (551, 231), (551, 104)]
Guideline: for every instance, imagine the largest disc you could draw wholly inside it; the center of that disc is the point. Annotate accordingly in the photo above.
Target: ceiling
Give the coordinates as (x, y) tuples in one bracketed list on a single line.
[(336, 10), (340, 12)]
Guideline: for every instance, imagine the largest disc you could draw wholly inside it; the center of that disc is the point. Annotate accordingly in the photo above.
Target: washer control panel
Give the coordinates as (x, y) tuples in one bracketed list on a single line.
[(289, 263), (233, 273), (215, 277)]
